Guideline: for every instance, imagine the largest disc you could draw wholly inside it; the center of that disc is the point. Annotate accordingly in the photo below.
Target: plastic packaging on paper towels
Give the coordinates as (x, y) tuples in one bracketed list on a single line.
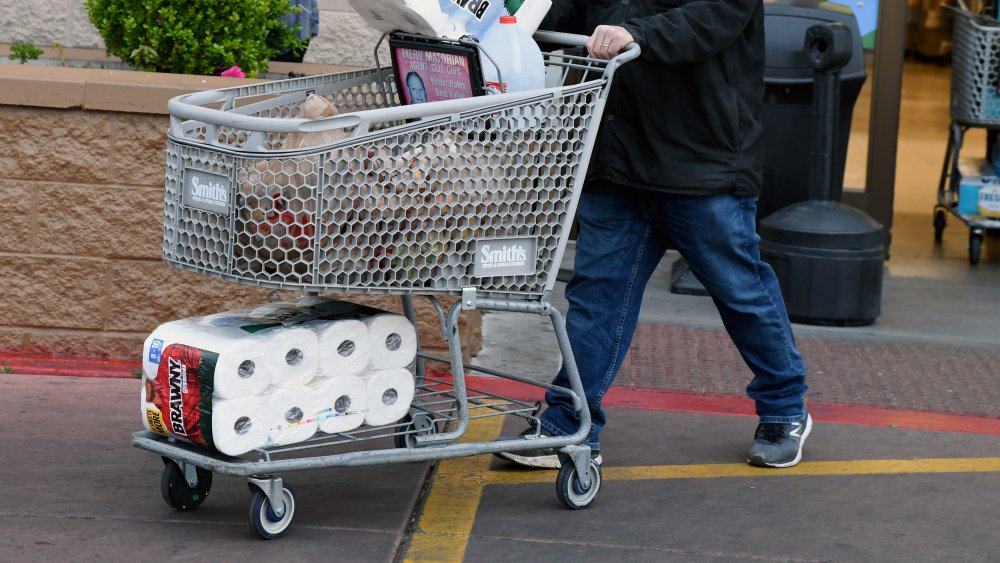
[(184, 372), (344, 347), (393, 341), (293, 412), (343, 403), (390, 393), (245, 362), (297, 351)]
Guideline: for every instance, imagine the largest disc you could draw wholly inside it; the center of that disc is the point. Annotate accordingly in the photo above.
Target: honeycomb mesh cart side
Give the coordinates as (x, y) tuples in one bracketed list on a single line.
[(975, 74)]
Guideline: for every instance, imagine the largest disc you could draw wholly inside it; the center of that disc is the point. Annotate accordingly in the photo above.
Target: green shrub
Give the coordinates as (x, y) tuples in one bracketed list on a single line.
[(24, 52), (193, 36)]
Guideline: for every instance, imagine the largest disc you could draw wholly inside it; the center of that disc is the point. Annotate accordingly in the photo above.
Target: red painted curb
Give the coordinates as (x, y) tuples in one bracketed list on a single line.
[(617, 397), (651, 399), (39, 364)]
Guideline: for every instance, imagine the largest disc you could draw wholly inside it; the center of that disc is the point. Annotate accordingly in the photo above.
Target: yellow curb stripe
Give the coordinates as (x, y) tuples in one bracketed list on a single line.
[(443, 531), (814, 468)]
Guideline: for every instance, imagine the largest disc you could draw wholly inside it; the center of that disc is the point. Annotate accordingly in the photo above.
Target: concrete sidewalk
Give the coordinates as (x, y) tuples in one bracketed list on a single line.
[(903, 483), (675, 488)]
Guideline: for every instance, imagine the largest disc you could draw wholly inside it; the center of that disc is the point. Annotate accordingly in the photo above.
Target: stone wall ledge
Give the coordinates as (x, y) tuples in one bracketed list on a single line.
[(71, 87)]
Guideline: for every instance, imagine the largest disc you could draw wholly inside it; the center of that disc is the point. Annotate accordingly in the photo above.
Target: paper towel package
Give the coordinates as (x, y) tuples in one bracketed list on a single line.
[(277, 374)]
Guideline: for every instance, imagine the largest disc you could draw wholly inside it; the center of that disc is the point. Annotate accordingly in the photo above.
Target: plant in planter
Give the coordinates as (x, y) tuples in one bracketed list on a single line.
[(194, 36), (24, 52)]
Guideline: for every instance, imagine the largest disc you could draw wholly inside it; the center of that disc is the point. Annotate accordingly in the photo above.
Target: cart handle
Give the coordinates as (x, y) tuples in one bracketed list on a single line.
[(191, 106)]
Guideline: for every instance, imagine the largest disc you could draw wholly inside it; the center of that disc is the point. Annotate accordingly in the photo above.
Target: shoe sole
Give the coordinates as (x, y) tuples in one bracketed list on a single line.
[(798, 454), (539, 462)]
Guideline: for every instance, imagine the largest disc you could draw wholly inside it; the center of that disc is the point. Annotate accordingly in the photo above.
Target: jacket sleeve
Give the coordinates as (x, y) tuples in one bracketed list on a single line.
[(567, 16), (692, 32)]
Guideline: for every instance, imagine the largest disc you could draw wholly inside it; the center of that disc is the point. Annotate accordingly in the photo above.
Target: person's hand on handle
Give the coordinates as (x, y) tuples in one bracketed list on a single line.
[(607, 41)]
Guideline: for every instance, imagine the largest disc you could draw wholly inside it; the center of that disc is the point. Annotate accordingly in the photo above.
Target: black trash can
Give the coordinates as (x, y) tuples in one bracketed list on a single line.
[(787, 112)]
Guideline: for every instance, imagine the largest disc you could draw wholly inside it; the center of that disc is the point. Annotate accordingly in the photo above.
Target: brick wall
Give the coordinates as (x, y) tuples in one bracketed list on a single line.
[(81, 198)]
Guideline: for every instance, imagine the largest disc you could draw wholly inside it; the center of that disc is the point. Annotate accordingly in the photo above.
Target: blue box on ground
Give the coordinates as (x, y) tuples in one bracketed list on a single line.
[(979, 196)]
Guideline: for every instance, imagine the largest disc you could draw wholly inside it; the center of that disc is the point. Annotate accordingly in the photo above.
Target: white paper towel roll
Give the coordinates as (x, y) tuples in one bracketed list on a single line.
[(390, 393), (240, 425), (343, 403), (246, 362), (292, 413), (344, 347), (296, 353), (393, 341)]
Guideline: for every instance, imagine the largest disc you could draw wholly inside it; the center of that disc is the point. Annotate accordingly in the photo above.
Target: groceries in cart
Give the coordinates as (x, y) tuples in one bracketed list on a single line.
[(277, 374), (451, 19), (315, 107), (433, 65)]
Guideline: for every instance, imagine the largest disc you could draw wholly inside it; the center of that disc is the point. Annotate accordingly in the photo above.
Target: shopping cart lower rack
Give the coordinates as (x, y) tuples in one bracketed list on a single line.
[(471, 198), (975, 102)]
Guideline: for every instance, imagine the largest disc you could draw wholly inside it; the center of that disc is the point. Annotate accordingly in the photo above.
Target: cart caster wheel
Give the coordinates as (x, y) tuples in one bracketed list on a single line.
[(571, 491), (264, 521), (940, 222), (176, 491), (975, 247), (411, 426)]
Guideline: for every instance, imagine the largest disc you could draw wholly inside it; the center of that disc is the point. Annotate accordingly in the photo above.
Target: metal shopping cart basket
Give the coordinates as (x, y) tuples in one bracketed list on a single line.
[(471, 198), (975, 102)]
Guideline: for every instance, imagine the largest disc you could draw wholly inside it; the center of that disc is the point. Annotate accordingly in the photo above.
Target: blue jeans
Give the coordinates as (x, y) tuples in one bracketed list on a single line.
[(623, 235)]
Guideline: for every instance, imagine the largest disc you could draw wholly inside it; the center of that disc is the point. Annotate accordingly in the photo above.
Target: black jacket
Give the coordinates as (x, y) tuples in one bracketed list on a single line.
[(685, 116)]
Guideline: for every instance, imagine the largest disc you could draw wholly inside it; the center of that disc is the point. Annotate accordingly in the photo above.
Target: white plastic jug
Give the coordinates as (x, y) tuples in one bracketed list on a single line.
[(518, 56)]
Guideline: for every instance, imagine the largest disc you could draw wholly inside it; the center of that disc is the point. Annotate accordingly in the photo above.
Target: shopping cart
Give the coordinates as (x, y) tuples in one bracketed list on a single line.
[(975, 102), (471, 198)]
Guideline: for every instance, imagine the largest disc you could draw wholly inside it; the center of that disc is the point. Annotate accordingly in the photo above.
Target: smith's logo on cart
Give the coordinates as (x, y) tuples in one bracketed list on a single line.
[(206, 191), (177, 378), (505, 257)]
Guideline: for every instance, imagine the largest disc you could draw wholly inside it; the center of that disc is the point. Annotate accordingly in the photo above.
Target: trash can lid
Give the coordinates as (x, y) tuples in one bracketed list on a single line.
[(822, 224), (785, 25)]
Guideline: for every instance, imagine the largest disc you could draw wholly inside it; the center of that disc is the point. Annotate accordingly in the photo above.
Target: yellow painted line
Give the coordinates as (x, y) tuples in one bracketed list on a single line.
[(442, 533), (711, 471)]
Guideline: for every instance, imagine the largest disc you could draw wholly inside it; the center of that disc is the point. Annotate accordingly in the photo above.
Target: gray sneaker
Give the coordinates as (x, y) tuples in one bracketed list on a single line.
[(539, 458), (779, 445)]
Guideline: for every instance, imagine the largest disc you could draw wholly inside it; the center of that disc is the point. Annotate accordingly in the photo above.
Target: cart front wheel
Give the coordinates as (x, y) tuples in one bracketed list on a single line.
[(264, 520), (975, 247), (571, 491), (940, 222), (176, 491)]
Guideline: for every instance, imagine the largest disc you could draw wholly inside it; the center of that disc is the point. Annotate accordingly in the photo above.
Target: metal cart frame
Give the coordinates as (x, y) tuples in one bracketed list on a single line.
[(975, 102), (536, 146)]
